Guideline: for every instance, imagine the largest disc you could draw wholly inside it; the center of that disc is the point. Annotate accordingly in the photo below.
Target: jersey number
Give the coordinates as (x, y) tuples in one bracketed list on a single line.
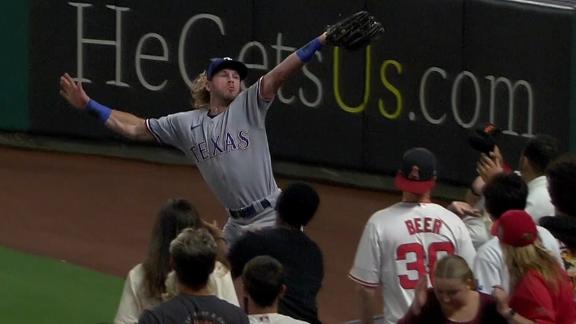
[(418, 266)]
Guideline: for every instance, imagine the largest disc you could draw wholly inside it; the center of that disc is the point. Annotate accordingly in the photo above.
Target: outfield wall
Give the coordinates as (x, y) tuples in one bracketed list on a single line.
[(442, 68)]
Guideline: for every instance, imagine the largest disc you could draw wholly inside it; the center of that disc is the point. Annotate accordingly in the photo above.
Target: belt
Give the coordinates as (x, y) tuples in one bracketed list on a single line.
[(250, 211)]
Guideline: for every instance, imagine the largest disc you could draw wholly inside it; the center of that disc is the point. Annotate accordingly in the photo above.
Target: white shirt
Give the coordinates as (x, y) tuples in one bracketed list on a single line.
[(538, 202), (400, 239), (134, 299), (273, 318), (490, 268), (479, 229)]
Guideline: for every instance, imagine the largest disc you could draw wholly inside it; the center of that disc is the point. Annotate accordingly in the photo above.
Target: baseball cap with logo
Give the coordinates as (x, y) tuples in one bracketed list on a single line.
[(220, 63), (515, 228), (418, 172)]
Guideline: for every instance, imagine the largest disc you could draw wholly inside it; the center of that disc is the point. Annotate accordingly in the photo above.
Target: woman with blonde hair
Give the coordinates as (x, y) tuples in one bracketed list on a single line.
[(152, 281), (453, 298), (541, 289)]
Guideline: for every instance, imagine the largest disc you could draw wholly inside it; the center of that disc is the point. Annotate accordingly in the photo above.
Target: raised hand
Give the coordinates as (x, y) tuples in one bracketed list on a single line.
[(73, 92), (490, 165), (213, 229), (462, 209), (420, 295), (501, 297)]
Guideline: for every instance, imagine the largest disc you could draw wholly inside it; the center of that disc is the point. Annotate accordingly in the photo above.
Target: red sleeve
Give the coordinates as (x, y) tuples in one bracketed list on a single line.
[(533, 300)]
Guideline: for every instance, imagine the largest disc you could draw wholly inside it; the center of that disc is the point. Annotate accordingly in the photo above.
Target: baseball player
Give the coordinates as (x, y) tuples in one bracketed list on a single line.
[(226, 137), (401, 243)]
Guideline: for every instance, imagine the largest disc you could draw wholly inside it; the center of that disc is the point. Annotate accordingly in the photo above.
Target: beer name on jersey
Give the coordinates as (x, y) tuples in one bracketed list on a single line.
[(215, 146), (423, 225)]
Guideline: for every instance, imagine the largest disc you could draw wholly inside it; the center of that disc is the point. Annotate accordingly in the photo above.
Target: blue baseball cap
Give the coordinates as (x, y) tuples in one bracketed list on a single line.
[(418, 172), (220, 63)]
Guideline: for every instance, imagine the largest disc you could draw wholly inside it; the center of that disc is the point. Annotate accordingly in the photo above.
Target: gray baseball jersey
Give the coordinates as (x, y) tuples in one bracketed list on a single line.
[(230, 149), (400, 244)]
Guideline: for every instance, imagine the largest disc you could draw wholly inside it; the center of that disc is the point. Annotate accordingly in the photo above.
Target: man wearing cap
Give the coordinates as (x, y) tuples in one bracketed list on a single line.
[(225, 136), (401, 243)]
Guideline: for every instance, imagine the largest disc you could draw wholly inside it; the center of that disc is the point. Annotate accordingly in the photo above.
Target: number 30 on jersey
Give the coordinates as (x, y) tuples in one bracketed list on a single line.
[(411, 260)]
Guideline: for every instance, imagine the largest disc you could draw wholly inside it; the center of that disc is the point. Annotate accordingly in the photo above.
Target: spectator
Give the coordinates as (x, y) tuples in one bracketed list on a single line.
[(537, 155), (193, 256), (149, 283), (453, 299), (504, 192), (263, 282), (541, 289), (300, 256), (402, 241), (562, 186)]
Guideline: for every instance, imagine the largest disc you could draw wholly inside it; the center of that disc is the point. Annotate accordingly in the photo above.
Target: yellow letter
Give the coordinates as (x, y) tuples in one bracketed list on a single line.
[(393, 89), (339, 100)]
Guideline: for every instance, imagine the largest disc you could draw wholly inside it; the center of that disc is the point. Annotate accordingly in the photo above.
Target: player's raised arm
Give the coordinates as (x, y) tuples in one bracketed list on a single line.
[(273, 80), (353, 32), (123, 123)]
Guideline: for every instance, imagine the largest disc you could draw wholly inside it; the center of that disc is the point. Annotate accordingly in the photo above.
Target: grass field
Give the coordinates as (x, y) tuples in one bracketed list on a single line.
[(40, 290)]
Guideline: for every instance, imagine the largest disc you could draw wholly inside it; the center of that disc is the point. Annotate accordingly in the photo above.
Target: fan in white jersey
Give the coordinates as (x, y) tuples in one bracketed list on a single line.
[(401, 243), (225, 136)]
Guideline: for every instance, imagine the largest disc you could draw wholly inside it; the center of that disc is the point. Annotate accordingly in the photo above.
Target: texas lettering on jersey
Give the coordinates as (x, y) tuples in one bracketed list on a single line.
[(221, 145)]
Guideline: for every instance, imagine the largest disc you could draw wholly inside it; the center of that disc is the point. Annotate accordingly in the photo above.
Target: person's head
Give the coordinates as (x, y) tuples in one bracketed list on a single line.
[(263, 280), (453, 280), (297, 204), (417, 175), (537, 155), (563, 228), (561, 176), (193, 255), (518, 236), (223, 78), (220, 82), (504, 192), (173, 217)]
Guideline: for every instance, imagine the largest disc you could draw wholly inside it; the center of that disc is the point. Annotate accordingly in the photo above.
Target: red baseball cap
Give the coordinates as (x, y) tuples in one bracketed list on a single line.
[(515, 228), (418, 171)]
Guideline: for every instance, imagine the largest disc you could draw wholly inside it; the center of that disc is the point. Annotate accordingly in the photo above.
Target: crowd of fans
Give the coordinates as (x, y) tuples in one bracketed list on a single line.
[(505, 254)]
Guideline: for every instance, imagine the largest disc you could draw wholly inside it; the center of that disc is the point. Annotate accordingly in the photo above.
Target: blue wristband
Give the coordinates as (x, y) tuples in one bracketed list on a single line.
[(306, 53), (99, 111)]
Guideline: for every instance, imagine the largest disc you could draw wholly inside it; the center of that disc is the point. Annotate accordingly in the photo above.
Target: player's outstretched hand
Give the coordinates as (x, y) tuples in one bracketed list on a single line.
[(73, 92), (354, 32)]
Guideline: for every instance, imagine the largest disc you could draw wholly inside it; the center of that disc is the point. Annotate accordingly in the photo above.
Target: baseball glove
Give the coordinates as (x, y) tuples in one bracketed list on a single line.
[(354, 32), (483, 139)]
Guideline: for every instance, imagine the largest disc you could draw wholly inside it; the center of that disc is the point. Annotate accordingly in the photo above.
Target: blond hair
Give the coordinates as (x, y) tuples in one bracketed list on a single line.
[(535, 257), (200, 96), (455, 267)]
